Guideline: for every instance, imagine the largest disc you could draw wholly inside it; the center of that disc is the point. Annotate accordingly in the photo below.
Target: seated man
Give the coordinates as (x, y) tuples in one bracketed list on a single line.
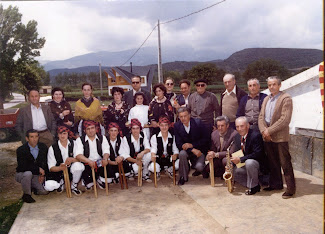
[(251, 143), (114, 141), (60, 156), (93, 151), (192, 140), (221, 140), (163, 149), (31, 168), (135, 148)]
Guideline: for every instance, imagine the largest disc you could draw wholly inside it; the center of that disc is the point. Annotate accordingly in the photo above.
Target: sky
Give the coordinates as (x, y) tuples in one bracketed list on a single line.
[(73, 28)]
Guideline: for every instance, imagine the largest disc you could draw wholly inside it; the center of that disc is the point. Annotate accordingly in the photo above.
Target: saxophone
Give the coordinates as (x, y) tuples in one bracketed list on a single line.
[(227, 176)]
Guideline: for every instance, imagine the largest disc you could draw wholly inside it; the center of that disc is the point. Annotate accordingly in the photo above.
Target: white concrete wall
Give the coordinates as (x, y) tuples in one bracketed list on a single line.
[(304, 89)]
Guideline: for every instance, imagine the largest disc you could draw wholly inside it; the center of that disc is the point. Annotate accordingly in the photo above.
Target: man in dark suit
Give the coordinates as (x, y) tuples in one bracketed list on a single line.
[(250, 105), (136, 85), (230, 98), (31, 166), (182, 99), (221, 140), (192, 140), (251, 143), (38, 117)]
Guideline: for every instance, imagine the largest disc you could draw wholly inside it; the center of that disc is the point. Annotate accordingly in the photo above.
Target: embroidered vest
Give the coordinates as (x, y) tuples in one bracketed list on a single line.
[(134, 154), (58, 154), (86, 145), (112, 154), (160, 147)]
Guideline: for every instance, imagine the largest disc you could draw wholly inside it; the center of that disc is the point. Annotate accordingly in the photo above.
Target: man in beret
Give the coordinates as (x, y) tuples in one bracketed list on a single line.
[(204, 104)]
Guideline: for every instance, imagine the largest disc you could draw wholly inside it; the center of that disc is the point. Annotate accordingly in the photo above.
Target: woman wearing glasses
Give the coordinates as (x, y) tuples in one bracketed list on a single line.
[(170, 95)]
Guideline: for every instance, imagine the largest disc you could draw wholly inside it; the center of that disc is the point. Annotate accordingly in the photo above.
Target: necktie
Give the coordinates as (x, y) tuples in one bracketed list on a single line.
[(243, 141)]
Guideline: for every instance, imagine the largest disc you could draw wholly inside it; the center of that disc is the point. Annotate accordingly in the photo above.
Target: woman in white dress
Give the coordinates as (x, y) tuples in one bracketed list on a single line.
[(140, 112)]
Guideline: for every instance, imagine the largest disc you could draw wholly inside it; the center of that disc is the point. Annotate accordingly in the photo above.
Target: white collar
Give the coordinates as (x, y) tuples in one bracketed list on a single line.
[(87, 138), (134, 140), (169, 135), (60, 145), (232, 91), (35, 108)]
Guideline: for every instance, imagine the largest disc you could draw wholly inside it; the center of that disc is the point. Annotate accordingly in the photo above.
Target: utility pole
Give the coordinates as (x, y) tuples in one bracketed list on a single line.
[(100, 79), (159, 56)]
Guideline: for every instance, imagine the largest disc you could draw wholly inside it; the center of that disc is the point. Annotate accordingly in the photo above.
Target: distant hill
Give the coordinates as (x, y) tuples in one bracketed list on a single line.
[(145, 56), (238, 61)]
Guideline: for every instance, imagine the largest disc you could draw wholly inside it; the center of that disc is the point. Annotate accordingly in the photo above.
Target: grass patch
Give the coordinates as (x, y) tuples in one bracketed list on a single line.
[(8, 215)]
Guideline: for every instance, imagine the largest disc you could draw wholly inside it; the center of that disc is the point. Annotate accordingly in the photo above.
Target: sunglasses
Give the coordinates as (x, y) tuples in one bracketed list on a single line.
[(135, 82), (200, 85), (169, 84)]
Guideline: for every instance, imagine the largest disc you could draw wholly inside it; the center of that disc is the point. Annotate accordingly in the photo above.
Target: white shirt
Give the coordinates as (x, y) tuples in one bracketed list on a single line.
[(125, 149), (187, 129), (140, 112), (51, 161), (232, 91), (154, 144), (134, 92), (113, 143), (39, 122), (93, 154)]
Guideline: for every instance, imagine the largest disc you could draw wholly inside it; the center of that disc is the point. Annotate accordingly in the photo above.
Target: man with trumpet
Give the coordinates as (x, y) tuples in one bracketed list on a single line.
[(220, 141), (251, 144), (60, 158)]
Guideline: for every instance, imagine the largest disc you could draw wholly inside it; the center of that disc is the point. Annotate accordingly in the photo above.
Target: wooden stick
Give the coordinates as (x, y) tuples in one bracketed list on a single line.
[(119, 172), (106, 184), (124, 178), (67, 182), (211, 171), (174, 173), (140, 175), (155, 173), (94, 181)]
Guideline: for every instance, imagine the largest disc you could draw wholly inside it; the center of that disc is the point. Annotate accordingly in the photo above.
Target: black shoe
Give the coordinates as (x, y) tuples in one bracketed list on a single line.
[(271, 189), (28, 198), (181, 181), (205, 175), (101, 184), (196, 173), (76, 191), (41, 192), (254, 190), (287, 195)]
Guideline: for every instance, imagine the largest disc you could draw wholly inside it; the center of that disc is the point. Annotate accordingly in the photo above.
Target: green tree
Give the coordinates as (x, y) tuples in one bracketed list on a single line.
[(208, 71), (263, 68), (19, 44), (176, 75)]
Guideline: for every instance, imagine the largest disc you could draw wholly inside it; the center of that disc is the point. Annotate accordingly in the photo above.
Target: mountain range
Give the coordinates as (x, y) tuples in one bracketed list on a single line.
[(293, 59)]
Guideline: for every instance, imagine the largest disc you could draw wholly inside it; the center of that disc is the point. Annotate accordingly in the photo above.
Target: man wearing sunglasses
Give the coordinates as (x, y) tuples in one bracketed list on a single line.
[(136, 87), (204, 104)]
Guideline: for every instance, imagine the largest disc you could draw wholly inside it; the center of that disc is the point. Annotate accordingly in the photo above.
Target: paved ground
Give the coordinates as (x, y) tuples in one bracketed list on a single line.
[(18, 98), (193, 208)]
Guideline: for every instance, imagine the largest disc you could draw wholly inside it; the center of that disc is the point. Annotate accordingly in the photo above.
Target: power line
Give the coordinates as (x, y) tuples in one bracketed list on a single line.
[(169, 21), (195, 12), (139, 47)]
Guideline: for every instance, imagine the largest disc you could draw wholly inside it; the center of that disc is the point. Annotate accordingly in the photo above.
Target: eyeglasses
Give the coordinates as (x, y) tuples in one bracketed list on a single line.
[(169, 84), (200, 85), (135, 82)]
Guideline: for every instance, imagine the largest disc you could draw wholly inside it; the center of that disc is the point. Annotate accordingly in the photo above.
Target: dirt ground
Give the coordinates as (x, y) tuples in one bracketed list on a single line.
[(10, 190)]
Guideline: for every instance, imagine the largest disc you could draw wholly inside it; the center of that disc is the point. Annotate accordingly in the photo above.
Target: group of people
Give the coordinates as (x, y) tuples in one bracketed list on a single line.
[(140, 132)]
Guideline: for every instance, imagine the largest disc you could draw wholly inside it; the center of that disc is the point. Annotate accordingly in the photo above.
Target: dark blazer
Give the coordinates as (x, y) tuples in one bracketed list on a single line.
[(239, 94), (228, 138), (26, 161), (199, 137), (180, 99), (243, 101), (128, 97), (25, 122), (254, 148)]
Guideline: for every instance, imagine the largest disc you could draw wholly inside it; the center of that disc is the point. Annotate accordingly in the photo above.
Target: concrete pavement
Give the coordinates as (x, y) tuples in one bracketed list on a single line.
[(18, 98), (195, 207)]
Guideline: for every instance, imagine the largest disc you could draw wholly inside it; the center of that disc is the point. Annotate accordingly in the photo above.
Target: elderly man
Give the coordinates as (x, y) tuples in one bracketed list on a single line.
[(204, 104), (31, 166), (230, 98), (192, 140), (273, 123), (250, 105), (38, 117), (136, 85), (182, 99), (221, 140), (92, 150), (251, 143)]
